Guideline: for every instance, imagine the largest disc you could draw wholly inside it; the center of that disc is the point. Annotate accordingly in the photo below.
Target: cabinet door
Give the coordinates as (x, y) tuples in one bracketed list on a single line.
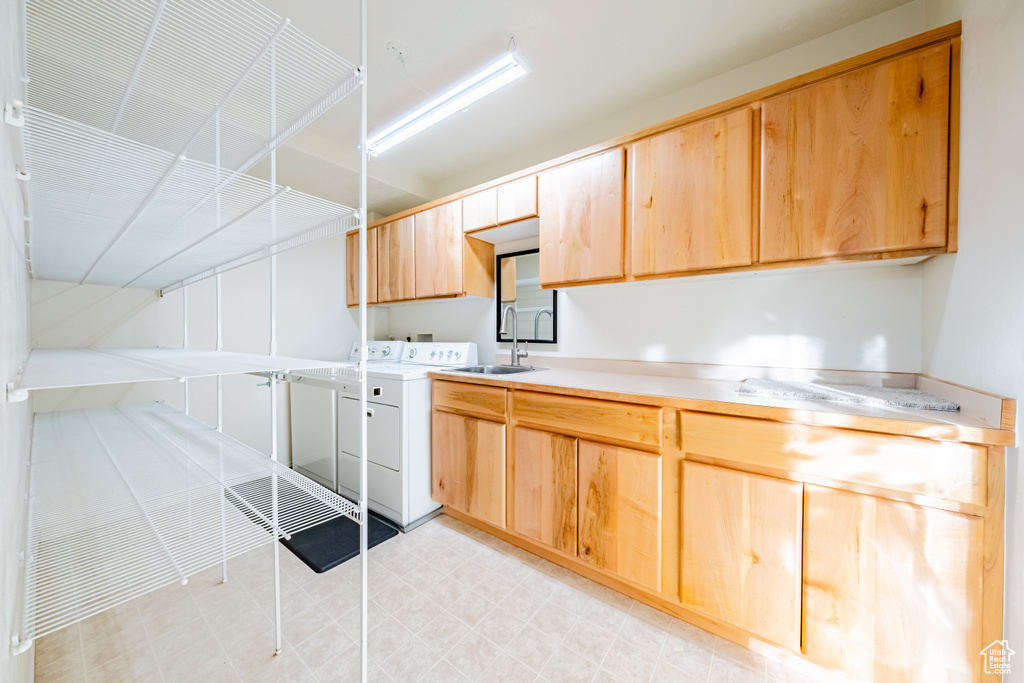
[(892, 591), (544, 488), (858, 163), (468, 466), (741, 550), (439, 251), (480, 210), (517, 200), (352, 268), (396, 260), (619, 494), (691, 202), (581, 219)]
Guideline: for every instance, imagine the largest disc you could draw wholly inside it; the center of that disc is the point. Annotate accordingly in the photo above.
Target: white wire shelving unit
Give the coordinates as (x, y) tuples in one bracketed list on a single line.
[(126, 500), (140, 121)]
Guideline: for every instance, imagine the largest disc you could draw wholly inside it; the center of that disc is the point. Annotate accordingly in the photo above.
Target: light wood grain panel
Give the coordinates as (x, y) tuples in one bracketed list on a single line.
[(396, 260), (352, 268), (468, 466), (517, 199), (619, 423), (544, 488), (993, 550), (741, 550), (439, 251), (483, 401), (619, 498), (480, 210), (508, 280), (691, 198), (858, 163), (941, 469), (477, 267), (892, 591), (581, 219)]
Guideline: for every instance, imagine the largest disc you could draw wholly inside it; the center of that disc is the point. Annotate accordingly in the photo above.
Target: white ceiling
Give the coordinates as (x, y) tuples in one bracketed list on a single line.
[(590, 59)]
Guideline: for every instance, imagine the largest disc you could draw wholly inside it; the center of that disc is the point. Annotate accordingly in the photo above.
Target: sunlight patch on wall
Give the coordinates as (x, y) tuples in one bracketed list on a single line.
[(775, 350)]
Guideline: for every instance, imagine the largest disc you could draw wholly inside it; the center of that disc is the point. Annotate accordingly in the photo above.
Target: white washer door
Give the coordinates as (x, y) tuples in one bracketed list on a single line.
[(384, 436)]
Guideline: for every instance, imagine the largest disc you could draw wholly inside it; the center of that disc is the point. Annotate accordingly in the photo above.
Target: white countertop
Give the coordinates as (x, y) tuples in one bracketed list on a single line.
[(722, 391)]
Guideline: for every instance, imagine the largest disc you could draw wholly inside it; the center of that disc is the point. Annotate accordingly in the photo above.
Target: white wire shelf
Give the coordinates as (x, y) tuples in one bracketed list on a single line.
[(127, 500), (149, 219), (143, 117), (65, 368), (164, 72)]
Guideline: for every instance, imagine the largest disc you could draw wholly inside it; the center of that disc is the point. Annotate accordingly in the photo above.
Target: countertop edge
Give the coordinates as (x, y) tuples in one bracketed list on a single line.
[(833, 417)]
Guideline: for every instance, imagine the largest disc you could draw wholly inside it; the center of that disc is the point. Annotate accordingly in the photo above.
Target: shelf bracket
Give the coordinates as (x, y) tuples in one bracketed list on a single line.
[(15, 395), (13, 114)]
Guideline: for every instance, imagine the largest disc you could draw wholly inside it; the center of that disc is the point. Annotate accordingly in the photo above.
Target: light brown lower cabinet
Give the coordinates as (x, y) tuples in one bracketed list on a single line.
[(468, 457), (598, 502), (619, 497), (544, 488), (874, 554), (892, 591), (741, 546)]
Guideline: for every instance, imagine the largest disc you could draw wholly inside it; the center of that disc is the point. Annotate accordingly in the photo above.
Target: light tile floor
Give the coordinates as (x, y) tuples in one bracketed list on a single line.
[(448, 603)]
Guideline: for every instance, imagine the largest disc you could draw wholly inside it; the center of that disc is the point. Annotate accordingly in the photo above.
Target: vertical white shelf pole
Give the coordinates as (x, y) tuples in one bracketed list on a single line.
[(364, 520), (273, 342), (184, 345), (220, 379)]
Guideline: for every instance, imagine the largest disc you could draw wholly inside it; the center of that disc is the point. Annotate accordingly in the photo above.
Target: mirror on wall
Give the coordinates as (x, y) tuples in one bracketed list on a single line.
[(518, 285)]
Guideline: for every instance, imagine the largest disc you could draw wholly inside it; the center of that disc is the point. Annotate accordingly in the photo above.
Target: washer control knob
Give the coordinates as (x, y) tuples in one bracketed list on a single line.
[(412, 352), (458, 354)]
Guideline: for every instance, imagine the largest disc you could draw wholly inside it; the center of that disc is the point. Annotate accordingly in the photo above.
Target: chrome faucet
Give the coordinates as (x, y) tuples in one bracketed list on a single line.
[(517, 352), (536, 321)]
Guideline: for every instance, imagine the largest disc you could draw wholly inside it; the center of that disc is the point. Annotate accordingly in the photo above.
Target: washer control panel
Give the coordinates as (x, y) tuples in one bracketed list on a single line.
[(448, 354), (380, 351)]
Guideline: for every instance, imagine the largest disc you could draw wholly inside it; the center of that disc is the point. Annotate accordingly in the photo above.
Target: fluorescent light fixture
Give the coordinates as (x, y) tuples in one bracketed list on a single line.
[(487, 80)]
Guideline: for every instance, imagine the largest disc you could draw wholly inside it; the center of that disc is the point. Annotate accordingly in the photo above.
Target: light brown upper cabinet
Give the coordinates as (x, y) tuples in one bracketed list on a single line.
[(396, 260), (690, 201), (512, 201), (480, 210), (517, 200), (352, 267), (858, 163), (439, 251), (581, 219)]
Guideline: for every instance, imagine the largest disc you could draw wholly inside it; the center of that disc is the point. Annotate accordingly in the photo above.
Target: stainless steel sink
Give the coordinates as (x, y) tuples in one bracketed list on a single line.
[(496, 369)]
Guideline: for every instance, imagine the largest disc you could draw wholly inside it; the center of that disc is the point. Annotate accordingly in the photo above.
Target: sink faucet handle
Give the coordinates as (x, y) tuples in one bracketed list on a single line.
[(523, 352)]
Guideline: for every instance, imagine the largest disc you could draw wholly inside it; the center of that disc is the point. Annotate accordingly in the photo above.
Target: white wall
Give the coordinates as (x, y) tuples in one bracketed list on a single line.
[(66, 315), (15, 418), (973, 329), (855, 319)]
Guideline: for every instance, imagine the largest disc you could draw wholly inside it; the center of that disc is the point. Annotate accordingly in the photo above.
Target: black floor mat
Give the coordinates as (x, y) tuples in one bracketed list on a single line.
[(327, 545), (323, 546)]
